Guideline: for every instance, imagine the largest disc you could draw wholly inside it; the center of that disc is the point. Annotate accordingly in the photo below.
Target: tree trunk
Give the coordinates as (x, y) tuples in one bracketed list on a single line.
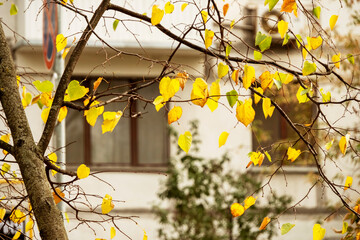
[(26, 153)]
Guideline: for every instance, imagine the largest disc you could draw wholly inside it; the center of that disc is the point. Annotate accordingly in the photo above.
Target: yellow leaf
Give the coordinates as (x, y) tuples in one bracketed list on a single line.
[(67, 217), (17, 235), (209, 35), (305, 50), (26, 100), (235, 76), (168, 87), (315, 42), (249, 201), (156, 15), (56, 198), (232, 24), (112, 232), (183, 6), (225, 9), (329, 144), (53, 157), (289, 6), (145, 237), (62, 113), (2, 213), (301, 96), (184, 141), (174, 114), (45, 99), (65, 53), (200, 92), (83, 171), (18, 80), (45, 114), (267, 108), (107, 204), (237, 209), (223, 137), (332, 21), (93, 113), (110, 121), (214, 96), (204, 15), (5, 168), (292, 154), (318, 232), (264, 223), (61, 42), (5, 138), (29, 225), (159, 102), (348, 182), (182, 77), (283, 78), (245, 112), (344, 141), (282, 28), (169, 8), (257, 158), (97, 83), (336, 60), (249, 76), (223, 69), (266, 80), (257, 98), (17, 216)]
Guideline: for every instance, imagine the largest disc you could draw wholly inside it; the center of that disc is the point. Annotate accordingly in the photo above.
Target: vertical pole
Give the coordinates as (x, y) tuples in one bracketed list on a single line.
[(59, 133)]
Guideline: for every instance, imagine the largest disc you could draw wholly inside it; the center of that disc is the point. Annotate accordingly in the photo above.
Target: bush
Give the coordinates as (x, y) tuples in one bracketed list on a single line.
[(200, 193)]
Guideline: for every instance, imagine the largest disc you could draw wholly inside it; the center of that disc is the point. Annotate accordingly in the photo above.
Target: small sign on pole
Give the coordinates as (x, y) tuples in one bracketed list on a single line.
[(50, 28)]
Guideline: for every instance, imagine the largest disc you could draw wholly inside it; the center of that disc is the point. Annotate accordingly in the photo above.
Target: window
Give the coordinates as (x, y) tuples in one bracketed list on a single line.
[(274, 134), (140, 141)]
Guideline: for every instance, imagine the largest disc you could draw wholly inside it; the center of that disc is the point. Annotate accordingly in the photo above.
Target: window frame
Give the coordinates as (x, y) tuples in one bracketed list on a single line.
[(133, 138)]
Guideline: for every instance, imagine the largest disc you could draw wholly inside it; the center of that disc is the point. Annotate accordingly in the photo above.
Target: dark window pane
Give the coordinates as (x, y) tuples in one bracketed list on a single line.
[(152, 131), (74, 137)]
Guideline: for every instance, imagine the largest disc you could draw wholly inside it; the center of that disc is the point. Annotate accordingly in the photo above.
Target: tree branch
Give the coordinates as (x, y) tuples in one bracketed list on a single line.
[(66, 76)]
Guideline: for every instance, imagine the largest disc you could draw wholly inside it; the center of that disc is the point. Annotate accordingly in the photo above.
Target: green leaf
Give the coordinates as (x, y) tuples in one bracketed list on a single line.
[(115, 24), (317, 11), (286, 39), (350, 58), (232, 97), (268, 156), (45, 86), (263, 41), (76, 91), (13, 9), (278, 84), (305, 91), (259, 38), (257, 55), (345, 227), (298, 40), (286, 227), (272, 4), (308, 68), (227, 50)]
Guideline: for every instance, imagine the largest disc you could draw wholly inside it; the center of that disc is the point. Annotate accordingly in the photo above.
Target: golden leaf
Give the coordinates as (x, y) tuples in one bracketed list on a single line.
[(200, 92), (237, 209), (249, 76), (174, 114), (156, 15), (245, 112), (223, 137)]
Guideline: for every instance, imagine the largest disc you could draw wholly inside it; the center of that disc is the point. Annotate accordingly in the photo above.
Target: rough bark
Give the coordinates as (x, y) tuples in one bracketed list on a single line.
[(26, 152)]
